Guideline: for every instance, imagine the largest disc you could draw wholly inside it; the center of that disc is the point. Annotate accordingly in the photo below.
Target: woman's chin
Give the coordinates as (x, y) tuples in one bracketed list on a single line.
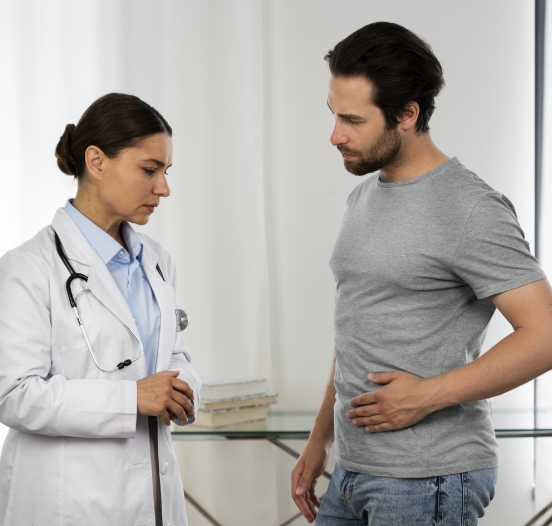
[(139, 219)]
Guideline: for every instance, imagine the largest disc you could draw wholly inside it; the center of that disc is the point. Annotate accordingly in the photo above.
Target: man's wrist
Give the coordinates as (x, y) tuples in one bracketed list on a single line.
[(437, 392), (321, 437)]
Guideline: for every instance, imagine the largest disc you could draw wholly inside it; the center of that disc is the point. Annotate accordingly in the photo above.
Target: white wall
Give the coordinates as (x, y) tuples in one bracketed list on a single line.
[(544, 445), (258, 192)]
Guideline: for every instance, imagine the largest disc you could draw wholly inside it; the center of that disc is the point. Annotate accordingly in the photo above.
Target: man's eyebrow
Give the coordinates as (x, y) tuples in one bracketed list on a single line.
[(349, 116)]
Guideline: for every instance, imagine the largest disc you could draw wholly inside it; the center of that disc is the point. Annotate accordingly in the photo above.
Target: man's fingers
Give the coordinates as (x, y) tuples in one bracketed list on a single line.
[(298, 492), (363, 411), (312, 508), (301, 503), (364, 399), (381, 427), (370, 421), (382, 378), (296, 475), (303, 489), (304, 482), (314, 498)]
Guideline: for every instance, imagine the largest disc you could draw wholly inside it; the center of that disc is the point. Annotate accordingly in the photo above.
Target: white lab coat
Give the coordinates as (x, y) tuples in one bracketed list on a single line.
[(77, 453)]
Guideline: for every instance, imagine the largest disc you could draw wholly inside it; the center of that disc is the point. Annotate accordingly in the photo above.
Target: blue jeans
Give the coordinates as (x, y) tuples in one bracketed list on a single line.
[(354, 499)]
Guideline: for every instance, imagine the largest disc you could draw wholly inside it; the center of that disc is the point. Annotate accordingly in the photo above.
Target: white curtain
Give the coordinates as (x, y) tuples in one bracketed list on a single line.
[(257, 191)]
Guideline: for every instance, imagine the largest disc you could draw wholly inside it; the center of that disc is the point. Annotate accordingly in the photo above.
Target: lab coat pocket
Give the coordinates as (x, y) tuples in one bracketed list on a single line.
[(77, 363), (111, 343)]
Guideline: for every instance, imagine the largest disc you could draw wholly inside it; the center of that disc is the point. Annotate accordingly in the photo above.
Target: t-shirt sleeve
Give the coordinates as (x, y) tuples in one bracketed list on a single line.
[(493, 255)]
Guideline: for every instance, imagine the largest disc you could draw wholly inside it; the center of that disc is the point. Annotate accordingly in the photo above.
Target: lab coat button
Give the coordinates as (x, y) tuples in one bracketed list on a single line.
[(136, 320), (165, 468)]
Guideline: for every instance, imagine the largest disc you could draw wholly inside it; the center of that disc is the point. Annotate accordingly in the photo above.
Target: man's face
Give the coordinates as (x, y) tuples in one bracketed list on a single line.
[(360, 131)]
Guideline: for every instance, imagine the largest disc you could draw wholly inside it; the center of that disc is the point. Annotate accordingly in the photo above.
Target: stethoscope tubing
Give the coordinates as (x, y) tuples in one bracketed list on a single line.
[(75, 275)]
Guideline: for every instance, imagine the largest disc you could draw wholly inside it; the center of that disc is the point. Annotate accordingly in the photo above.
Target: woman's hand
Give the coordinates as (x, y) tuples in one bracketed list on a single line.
[(164, 395)]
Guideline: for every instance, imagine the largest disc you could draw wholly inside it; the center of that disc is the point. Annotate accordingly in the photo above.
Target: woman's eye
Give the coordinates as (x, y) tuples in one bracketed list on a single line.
[(149, 171)]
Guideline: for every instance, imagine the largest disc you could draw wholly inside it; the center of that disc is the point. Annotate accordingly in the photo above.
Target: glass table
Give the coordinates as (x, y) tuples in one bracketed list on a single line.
[(296, 425)]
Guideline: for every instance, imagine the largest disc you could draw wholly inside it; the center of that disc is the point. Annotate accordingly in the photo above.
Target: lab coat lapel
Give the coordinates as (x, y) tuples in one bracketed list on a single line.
[(100, 282), (105, 289), (164, 294)]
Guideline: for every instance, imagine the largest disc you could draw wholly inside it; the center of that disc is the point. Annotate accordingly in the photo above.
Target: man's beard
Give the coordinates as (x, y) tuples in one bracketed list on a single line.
[(380, 154)]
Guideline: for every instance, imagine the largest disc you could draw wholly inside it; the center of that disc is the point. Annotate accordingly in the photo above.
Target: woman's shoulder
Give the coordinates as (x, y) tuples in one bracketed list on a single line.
[(31, 261), (36, 251)]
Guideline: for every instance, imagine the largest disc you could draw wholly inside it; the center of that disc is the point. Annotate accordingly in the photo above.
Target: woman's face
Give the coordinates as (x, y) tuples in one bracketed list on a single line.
[(131, 185)]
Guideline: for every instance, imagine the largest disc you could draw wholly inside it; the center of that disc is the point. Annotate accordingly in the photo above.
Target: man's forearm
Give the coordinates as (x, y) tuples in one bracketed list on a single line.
[(323, 429), (517, 359)]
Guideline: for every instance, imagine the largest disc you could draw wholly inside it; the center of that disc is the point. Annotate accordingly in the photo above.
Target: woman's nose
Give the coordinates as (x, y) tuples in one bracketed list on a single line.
[(162, 187)]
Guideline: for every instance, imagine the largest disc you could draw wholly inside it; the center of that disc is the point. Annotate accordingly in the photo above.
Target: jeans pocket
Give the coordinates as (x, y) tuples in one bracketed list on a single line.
[(478, 488)]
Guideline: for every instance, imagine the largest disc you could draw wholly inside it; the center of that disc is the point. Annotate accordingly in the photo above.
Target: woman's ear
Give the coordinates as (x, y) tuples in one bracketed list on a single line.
[(95, 162)]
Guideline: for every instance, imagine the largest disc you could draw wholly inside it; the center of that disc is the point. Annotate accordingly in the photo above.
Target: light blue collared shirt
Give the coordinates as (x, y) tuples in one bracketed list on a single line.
[(129, 275)]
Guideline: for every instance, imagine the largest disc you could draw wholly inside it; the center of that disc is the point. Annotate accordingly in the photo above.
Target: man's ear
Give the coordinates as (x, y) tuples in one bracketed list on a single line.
[(95, 161), (410, 116)]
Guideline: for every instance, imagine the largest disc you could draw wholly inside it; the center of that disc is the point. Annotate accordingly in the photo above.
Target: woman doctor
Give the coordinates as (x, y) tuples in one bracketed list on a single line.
[(89, 409)]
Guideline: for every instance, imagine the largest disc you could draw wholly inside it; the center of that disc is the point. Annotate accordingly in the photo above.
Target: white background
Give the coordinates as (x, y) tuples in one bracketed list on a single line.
[(257, 190)]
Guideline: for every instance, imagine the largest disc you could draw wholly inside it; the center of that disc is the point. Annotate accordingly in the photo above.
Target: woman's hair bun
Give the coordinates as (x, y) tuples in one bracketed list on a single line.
[(64, 156)]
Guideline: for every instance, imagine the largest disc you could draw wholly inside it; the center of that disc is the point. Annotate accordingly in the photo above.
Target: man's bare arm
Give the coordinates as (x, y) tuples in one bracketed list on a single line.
[(517, 359), (314, 458)]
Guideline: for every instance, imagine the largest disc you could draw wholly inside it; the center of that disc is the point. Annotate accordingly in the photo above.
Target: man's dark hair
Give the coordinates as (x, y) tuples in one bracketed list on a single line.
[(400, 65)]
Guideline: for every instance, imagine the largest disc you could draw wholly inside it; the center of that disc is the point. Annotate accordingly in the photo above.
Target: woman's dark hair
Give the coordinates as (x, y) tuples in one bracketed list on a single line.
[(400, 65), (112, 123)]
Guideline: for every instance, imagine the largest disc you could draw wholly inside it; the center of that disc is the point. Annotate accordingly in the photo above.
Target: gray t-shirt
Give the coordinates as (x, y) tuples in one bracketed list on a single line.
[(415, 264)]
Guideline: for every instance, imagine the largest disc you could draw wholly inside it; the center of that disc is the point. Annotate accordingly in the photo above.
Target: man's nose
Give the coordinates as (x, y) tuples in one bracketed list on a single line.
[(338, 137)]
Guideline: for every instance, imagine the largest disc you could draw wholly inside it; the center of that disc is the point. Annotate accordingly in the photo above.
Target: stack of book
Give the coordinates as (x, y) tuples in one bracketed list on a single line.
[(233, 400)]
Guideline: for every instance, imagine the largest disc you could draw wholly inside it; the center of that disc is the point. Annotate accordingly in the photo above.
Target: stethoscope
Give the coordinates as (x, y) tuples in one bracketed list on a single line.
[(181, 316)]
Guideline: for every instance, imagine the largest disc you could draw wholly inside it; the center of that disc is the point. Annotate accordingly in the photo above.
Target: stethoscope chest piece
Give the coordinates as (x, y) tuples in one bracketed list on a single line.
[(181, 320)]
